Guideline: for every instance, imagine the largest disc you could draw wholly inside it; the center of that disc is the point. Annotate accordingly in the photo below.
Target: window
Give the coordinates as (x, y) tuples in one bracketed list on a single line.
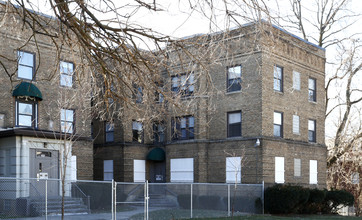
[(158, 133), (26, 63), (67, 120), (138, 94), (297, 167), (234, 124), (109, 132), (313, 172), (233, 169), (278, 124), (182, 170), (137, 131), (107, 169), (312, 94), (279, 169), (66, 74), (139, 171), (311, 131), (234, 79), (26, 114), (355, 178), (183, 128), (296, 80), (295, 124), (278, 78), (183, 84)]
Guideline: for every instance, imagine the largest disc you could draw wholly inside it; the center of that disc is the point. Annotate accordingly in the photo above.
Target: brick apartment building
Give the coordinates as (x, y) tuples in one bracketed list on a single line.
[(261, 120), (44, 116)]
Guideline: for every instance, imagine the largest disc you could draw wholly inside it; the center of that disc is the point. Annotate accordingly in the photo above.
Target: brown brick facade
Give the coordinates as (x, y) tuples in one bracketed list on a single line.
[(257, 51)]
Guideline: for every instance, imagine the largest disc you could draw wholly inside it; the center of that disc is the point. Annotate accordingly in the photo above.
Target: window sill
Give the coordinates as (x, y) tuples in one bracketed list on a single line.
[(235, 138), (312, 102), (66, 87), (183, 141), (278, 92), (233, 92)]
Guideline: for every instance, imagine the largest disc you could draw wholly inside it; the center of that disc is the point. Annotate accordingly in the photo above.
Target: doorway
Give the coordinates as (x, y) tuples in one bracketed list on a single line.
[(44, 165), (157, 171)]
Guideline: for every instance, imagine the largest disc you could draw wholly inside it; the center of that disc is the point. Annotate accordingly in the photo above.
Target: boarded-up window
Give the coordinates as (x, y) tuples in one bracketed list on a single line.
[(139, 170), (296, 124), (233, 169), (279, 169), (182, 170), (313, 172), (296, 80), (107, 169), (297, 167)]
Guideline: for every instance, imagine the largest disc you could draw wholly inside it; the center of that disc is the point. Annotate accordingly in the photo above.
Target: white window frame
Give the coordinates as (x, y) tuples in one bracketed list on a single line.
[(234, 78), (313, 172), (312, 89), (312, 124), (296, 80), (297, 167), (67, 123), (182, 170), (234, 119), (107, 170), (233, 169), (278, 123), (22, 66), (109, 132), (279, 170), (137, 126), (296, 123), (66, 73), (355, 178), (278, 78), (139, 171)]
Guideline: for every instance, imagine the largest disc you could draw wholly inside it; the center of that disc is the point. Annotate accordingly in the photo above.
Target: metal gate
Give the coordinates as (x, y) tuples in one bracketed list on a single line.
[(116, 201)]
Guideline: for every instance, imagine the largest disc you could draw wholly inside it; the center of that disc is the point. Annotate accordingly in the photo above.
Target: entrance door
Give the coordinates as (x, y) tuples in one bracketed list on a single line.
[(44, 165), (157, 172)]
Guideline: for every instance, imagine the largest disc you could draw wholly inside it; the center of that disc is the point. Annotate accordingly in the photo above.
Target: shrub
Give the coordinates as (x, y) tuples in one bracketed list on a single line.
[(283, 199), (334, 198)]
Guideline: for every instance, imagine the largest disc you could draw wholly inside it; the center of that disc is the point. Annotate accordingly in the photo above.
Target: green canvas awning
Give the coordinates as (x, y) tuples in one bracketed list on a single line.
[(27, 89), (156, 154)]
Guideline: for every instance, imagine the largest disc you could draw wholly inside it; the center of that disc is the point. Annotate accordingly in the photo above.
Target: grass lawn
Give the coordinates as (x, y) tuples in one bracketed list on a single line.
[(296, 217), (167, 214)]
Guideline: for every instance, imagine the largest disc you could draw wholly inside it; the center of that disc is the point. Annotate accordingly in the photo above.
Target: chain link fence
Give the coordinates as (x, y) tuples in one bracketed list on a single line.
[(43, 197)]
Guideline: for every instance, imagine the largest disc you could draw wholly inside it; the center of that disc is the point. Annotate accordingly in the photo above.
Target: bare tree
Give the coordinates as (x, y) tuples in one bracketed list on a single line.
[(330, 24)]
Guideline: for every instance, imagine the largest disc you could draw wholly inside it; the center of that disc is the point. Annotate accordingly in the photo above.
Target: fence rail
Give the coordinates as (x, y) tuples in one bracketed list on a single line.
[(42, 197)]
